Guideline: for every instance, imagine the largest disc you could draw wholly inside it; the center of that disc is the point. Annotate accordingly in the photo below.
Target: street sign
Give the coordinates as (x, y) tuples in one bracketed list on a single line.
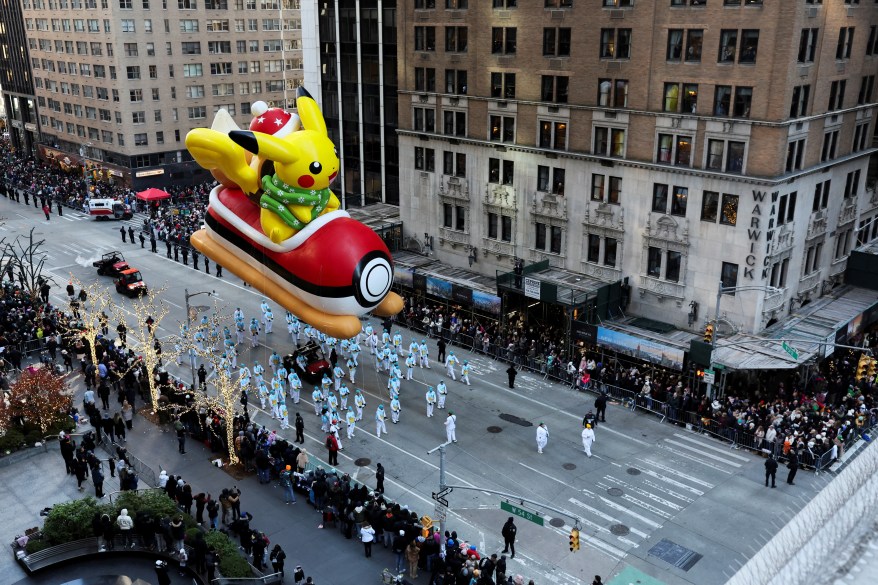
[(440, 497), (439, 512), (709, 377), (522, 513), (794, 353)]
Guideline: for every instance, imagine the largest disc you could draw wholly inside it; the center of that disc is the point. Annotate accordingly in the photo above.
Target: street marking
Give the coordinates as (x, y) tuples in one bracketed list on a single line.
[(607, 517), (673, 482), (558, 411), (632, 513), (703, 445), (672, 471), (644, 493), (564, 483), (702, 453)]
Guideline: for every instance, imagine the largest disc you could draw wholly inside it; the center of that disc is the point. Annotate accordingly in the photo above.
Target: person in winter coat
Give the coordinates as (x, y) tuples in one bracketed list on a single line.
[(412, 553), (125, 524), (277, 557), (367, 535), (332, 447), (509, 531)]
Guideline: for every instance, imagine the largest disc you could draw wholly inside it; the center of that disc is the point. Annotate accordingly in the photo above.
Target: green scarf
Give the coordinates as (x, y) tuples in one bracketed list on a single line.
[(277, 195)]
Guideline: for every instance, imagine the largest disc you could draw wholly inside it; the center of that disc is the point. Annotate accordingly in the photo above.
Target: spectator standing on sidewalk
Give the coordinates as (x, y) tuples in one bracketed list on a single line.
[(793, 466), (770, 470), (509, 531)]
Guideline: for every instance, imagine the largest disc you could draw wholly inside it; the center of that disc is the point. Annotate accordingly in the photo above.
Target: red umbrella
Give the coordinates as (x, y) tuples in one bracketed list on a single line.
[(153, 194)]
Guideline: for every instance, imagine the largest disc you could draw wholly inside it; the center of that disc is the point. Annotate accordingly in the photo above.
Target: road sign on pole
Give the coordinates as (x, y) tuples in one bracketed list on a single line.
[(794, 353), (522, 513), (709, 377)]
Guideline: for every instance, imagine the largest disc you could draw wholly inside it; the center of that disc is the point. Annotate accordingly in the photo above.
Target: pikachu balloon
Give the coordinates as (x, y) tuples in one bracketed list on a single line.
[(274, 222)]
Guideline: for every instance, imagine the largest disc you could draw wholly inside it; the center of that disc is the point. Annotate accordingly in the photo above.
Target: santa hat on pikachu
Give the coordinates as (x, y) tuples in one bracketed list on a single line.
[(274, 121)]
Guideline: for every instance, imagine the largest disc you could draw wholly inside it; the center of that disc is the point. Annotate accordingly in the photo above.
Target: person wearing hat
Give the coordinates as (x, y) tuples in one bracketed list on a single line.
[(380, 418), (542, 437), (299, 575), (400, 543), (161, 573), (588, 439), (464, 372), (424, 355), (286, 480)]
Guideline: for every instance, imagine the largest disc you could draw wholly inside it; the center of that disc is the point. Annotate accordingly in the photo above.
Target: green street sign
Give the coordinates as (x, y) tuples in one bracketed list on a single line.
[(522, 513), (790, 350), (709, 377)]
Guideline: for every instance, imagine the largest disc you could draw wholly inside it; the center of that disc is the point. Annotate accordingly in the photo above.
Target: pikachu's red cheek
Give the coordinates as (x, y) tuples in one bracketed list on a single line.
[(306, 181)]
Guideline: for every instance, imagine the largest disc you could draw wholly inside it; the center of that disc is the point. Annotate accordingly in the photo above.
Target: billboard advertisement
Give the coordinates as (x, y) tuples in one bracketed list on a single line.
[(644, 349)]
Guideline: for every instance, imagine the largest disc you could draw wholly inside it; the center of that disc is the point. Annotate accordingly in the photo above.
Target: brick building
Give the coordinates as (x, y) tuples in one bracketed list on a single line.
[(668, 144), (129, 78)]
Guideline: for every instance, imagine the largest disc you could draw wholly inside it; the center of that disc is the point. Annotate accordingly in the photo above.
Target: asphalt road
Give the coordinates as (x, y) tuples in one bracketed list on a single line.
[(648, 481)]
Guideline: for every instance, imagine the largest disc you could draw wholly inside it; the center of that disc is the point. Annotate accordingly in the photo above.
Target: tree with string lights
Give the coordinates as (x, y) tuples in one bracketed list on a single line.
[(149, 313), (225, 398), (97, 304), (39, 396)]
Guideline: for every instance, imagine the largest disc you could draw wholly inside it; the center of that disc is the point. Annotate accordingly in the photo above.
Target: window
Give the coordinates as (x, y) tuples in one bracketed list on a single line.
[(504, 40), (786, 208), (729, 276), (425, 79), (197, 112), (220, 68), (728, 46), (710, 206), (674, 149), (191, 48), (128, 25), (505, 3), (425, 120), (135, 95), (503, 85), (192, 70), (500, 171), (141, 140), (138, 117), (872, 45), (421, 4), (554, 88), (609, 141), (454, 123), (845, 42), (680, 97), (555, 234), (425, 38), (679, 199), (454, 164), (492, 225), (613, 93), (556, 42), (842, 244), (187, 4), (506, 228), (725, 156), (460, 218), (729, 210), (225, 47), (553, 135), (130, 49), (558, 3), (455, 81), (852, 184), (867, 82), (133, 72), (808, 45), (425, 159), (615, 43), (743, 99), (799, 103), (861, 137), (455, 39), (795, 152), (821, 195), (502, 129), (654, 262), (836, 94), (812, 258), (598, 183), (447, 215), (749, 45), (555, 183), (830, 141)]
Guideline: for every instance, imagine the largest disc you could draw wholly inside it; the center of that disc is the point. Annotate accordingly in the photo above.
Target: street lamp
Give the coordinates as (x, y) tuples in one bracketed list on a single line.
[(189, 322), (721, 290)]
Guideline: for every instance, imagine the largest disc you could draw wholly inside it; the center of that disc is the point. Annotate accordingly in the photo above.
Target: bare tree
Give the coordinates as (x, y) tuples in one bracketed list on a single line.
[(28, 260)]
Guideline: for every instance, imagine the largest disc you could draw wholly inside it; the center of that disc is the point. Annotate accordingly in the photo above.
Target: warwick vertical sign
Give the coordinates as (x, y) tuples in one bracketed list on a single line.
[(754, 234)]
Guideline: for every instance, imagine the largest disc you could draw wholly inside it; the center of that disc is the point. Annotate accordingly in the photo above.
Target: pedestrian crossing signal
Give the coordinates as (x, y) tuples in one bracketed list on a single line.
[(574, 540)]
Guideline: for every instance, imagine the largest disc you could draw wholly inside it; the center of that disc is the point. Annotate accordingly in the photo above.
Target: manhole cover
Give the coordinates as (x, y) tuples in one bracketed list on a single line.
[(557, 522), (362, 462), (569, 466), (516, 420), (619, 529), (633, 471), (495, 430), (615, 492)]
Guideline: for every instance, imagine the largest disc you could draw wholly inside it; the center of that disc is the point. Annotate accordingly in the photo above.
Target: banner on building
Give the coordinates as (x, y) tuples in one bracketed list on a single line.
[(486, 303), (585, 332), (644, 349), (403, 276)]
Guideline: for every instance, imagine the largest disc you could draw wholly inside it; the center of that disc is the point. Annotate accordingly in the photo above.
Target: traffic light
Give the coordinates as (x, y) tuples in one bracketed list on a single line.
[(871, 368), (862, 367), (574, 540), (426, 525), (708, 333), (699, 373)]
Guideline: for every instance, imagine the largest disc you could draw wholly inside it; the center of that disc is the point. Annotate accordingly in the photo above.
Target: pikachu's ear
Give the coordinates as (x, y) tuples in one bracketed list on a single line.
[(309, 112), (265, 145)]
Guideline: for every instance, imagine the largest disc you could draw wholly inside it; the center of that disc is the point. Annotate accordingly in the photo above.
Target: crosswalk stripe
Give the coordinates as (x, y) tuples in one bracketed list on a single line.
[(680, 474), (696, 459), (606, 517), (642, 492), (672, 482), (632, 513), (702, 453), (714, 448)]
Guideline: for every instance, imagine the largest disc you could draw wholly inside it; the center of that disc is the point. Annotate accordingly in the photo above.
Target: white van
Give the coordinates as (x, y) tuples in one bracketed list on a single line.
[(109, 209)]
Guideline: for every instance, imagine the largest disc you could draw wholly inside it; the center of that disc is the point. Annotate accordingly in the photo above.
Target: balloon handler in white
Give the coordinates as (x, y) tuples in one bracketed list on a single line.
[(274, 222)]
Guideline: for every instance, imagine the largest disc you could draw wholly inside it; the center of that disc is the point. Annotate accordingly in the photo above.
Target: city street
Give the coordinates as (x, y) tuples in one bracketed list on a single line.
[(647, 482)]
